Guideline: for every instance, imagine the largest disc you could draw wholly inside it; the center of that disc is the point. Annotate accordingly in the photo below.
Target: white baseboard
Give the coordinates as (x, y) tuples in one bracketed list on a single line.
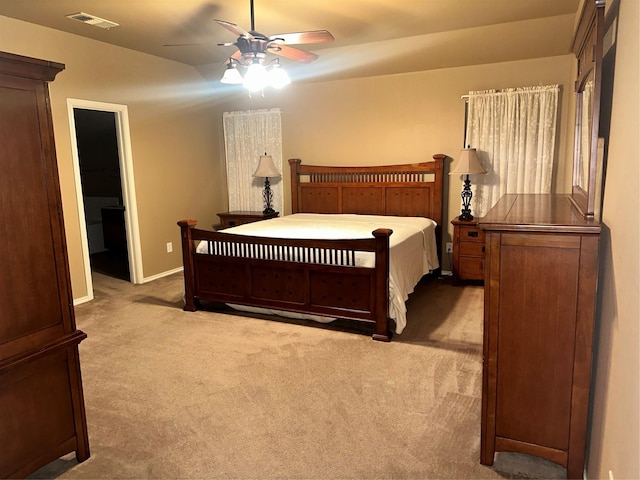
[(81, 300), (88, 298), (163, 274)]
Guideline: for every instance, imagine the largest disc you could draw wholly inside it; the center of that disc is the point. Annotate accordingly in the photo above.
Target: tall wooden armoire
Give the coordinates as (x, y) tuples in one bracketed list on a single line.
[(42, 414)]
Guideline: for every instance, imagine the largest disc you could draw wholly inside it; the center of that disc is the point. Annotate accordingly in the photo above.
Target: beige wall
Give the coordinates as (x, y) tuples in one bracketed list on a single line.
[(173, 135), (615, 425), (176, 127), (401, 118)]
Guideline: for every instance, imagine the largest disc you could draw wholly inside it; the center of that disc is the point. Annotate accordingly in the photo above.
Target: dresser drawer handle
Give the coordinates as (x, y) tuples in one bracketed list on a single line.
[(472, 234)]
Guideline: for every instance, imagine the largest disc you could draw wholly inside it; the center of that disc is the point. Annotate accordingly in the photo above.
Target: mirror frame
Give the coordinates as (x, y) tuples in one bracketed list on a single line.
[(587, 47)]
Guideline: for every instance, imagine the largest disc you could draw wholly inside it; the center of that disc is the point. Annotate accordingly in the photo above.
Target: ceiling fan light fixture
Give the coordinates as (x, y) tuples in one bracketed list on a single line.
[(256, 77), (232, 74), (278, 77), (253, 48)]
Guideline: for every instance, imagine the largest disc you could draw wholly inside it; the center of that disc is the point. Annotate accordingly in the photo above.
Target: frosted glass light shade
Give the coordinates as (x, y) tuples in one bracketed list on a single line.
[(231, 75), (256, 77), (278, 78)]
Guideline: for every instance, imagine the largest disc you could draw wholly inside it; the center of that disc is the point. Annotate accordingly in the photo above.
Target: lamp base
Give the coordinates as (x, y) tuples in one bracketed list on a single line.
[(267, 196), (465, 216)]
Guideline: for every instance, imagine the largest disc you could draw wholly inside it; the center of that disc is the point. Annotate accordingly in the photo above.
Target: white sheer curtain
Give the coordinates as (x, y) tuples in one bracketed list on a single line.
[(247, 135), (514, 132)]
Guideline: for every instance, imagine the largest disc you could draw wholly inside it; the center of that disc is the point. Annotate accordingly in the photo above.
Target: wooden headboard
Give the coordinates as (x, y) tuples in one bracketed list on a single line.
[(409, 190)]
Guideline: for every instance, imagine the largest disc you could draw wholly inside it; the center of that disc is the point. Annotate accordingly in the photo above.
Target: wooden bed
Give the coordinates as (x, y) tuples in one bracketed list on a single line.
[(292, 274)]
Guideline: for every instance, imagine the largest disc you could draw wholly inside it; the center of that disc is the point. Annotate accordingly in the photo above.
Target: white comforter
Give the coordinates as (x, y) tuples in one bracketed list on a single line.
[(413, 251)]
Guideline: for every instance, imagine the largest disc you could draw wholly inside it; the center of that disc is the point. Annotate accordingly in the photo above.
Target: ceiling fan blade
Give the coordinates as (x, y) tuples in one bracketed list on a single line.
[(232, 27), (298, 38), (292, 53)]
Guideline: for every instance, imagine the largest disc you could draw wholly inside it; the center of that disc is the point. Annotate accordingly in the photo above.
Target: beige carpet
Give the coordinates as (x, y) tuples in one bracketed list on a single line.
[(172, 394)]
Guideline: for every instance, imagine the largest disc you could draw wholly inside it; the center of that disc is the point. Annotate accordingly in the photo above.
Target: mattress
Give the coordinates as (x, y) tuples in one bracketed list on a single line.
[(412, 249)]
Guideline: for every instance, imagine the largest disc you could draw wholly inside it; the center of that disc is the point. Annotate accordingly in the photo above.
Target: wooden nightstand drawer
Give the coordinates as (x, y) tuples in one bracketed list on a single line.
[(227, 222), (233, 219), (471, 268), (471, 234), (471, 249)]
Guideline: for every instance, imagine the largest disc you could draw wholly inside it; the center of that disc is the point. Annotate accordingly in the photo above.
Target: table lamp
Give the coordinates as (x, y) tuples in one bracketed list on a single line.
[(467, 164), (267, 169)]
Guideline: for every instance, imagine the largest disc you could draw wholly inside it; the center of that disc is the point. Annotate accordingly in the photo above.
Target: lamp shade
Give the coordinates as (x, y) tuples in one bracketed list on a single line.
[(231, 74), (256, 77), (266, 168), (278, 78), (467, 163)]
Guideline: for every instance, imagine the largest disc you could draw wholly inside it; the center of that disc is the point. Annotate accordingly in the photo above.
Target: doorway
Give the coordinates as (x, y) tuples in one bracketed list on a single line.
[(102, 192), (105, 191)]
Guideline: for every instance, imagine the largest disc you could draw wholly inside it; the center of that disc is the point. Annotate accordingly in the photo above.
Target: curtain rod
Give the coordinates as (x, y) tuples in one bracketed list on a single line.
[(463, 97)]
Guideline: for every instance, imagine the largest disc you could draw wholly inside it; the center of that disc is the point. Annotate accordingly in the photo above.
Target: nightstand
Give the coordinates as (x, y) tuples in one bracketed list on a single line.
[(468, 251), (235, 218)]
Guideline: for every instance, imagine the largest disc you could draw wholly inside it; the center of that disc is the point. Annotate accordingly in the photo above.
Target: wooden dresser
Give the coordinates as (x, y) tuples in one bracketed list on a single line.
[(540, 288), (42, 414)]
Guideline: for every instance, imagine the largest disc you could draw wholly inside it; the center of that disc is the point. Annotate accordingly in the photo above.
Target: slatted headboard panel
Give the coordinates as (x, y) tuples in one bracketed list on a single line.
[(409, 190)]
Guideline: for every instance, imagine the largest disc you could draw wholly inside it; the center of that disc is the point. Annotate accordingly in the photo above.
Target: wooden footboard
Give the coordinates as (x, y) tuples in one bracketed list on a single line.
[(305, 276)]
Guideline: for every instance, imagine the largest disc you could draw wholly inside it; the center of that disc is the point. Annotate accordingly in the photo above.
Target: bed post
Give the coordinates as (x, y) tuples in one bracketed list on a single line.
[(437, 172), (383, 332), (187, 260), (294, 165), (438, 204)]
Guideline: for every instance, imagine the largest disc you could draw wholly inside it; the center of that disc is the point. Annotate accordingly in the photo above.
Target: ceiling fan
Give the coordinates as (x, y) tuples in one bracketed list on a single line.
[(254, 45)]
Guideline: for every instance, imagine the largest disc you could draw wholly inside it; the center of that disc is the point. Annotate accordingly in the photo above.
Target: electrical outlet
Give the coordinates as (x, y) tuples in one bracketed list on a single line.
[(449, 247), (169, 247)]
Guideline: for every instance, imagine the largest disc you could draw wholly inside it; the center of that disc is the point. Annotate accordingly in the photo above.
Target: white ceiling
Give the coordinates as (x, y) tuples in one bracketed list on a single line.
[(373, 37)]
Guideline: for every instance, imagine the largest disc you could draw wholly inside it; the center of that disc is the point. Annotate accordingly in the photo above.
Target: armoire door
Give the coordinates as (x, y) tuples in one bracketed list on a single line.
[(42, 414)]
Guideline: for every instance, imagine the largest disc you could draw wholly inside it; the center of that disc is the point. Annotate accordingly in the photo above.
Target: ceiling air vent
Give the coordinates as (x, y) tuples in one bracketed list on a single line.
[(92, 20)]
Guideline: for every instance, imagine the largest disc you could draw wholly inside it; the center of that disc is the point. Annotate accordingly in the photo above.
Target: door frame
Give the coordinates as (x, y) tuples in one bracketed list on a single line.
[(128, 188)]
